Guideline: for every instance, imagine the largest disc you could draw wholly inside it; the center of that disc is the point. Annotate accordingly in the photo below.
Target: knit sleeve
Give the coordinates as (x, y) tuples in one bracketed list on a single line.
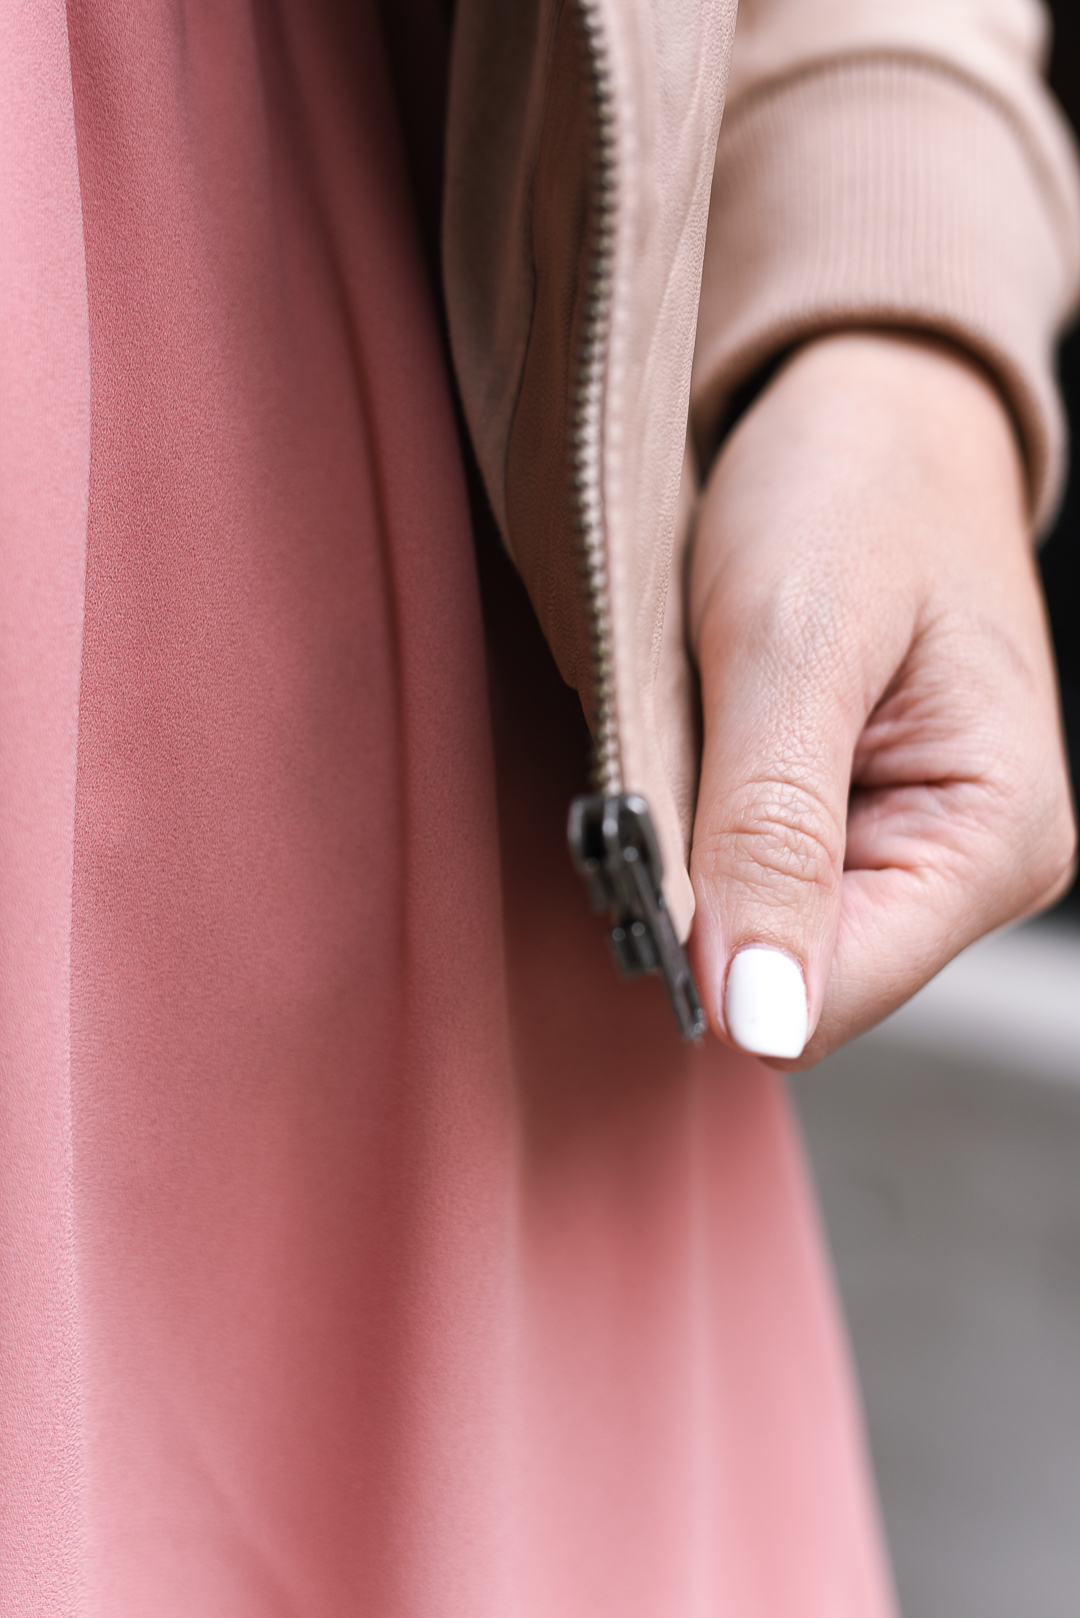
[(895, 163)]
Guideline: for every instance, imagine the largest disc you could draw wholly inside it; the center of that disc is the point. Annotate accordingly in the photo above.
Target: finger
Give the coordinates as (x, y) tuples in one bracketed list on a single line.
[(784, 692), (937, 867)]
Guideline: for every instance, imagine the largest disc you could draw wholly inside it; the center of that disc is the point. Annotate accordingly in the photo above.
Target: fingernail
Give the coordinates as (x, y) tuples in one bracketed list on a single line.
[(765, 1003)]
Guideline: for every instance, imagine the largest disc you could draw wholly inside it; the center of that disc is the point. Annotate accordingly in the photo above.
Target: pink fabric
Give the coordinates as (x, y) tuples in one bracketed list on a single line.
[(44, 463), (392, 1258)]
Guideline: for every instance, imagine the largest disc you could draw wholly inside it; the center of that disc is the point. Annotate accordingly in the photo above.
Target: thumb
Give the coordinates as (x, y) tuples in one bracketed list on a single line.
[(768, 850)]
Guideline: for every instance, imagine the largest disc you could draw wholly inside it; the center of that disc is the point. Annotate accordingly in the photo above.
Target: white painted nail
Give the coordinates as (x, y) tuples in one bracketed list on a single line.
[(765, 1003)]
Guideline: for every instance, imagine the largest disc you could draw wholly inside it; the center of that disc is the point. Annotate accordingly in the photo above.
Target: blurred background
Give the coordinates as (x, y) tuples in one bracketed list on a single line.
[(946, 1149)]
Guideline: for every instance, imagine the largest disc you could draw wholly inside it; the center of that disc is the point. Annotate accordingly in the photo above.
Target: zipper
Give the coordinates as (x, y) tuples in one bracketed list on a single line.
[(611, 835), (587, 430)]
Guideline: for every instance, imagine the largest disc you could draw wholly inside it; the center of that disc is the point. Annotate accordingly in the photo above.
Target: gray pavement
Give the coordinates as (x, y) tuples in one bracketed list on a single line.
[(951, 1194)]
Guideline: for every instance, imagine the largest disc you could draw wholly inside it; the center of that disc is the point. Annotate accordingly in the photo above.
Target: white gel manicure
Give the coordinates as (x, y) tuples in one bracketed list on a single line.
[(765, 1003)]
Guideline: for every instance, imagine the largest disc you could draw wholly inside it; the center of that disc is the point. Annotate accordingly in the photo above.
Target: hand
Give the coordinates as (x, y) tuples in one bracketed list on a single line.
[(883, 777)]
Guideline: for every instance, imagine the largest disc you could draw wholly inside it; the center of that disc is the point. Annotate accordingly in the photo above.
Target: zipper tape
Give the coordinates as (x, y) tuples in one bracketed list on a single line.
[(612, 840)]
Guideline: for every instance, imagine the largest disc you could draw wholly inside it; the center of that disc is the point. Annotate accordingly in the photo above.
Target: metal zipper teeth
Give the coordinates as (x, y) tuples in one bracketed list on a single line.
[(587, 428)]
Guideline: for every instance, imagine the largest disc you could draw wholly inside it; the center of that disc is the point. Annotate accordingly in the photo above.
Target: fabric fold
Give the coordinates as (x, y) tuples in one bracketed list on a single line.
[(44, 470)]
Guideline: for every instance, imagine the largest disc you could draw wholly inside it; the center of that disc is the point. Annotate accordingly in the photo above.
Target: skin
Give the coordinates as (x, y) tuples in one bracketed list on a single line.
[(883, 777)]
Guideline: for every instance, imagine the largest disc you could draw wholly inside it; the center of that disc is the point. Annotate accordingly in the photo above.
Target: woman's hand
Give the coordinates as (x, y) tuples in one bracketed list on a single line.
[(883, 777)]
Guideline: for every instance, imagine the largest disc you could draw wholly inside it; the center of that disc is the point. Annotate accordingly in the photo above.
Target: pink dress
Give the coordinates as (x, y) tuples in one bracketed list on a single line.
[(367, 1247)]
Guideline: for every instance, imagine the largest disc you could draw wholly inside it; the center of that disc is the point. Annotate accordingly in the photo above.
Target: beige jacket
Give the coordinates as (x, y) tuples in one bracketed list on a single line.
[(881, 161)]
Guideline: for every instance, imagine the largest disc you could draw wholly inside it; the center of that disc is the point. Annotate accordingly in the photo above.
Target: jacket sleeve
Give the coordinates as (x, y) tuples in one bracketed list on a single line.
[(897, 163)]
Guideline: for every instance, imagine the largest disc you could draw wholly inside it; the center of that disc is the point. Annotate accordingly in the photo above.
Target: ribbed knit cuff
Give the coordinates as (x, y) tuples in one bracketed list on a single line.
[(884, 191)]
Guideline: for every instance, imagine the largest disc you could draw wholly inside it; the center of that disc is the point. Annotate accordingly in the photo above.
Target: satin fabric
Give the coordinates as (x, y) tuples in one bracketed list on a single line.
[(368, 1248)]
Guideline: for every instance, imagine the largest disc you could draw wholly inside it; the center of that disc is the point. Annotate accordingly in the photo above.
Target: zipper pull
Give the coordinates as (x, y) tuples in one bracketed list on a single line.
[(613, 845)]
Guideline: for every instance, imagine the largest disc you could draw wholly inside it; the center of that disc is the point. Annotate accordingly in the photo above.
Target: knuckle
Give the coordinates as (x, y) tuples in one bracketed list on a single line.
[(778, 833), (1053, 871), (1038, 839)]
